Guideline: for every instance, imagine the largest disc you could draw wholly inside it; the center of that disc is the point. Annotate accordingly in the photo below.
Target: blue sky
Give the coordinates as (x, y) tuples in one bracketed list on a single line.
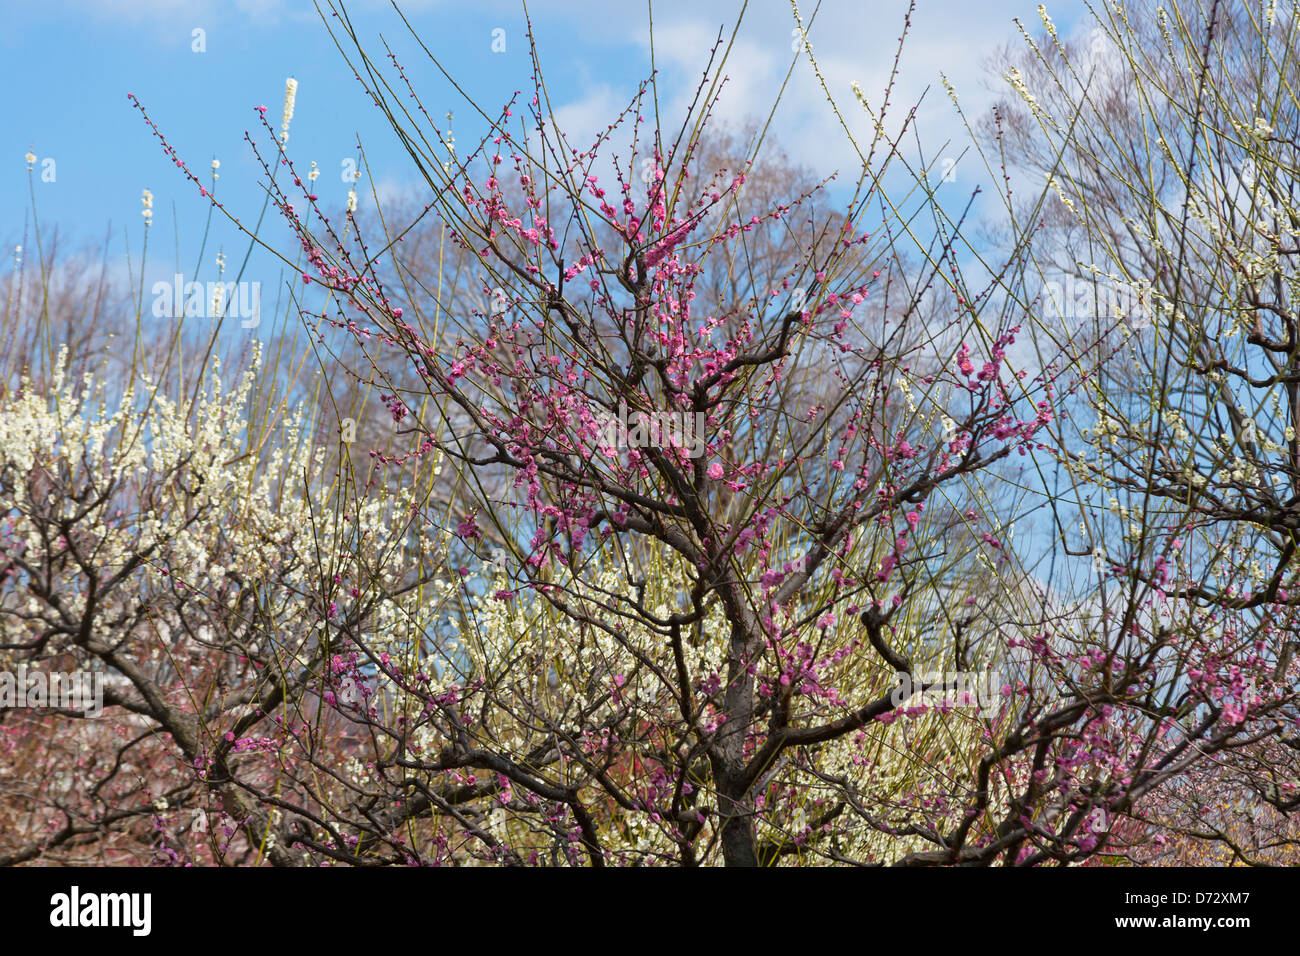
[(76, 62)]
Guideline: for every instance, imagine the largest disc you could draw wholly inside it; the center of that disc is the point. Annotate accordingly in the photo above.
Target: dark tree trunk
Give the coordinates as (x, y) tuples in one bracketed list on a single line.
[(737, 835), (733, 800)]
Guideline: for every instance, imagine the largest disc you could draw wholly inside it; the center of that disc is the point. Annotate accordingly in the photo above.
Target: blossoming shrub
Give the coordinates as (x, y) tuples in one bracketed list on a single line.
[(175, 545)]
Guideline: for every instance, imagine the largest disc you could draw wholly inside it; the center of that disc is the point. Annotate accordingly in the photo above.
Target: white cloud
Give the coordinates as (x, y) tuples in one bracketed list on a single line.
[(851, 42)]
